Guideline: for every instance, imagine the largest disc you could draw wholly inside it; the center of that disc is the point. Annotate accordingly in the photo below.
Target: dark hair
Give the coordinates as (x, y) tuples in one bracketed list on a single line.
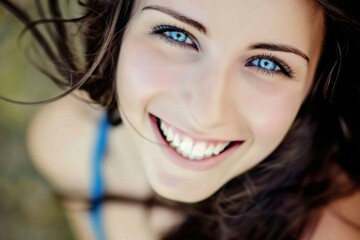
[(282, 197)]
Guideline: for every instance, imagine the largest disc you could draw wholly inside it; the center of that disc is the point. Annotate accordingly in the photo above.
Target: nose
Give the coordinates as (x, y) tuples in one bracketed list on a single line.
[(208, 95)]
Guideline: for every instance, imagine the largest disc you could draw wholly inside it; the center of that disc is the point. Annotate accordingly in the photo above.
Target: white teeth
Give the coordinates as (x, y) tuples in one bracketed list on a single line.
[(176, 141), (190, 148), (169, 135), (198, 150), (163, 128), (219, 148), (209, 151), (186, 146)]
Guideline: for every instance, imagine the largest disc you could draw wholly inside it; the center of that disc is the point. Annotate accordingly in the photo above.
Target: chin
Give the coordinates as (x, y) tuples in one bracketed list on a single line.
[(179, 189), (183, 197)]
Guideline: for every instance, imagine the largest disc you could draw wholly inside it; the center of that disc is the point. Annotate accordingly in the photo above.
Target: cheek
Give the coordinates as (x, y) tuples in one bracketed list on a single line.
[(139, 76), (270, 117), (145, 72)]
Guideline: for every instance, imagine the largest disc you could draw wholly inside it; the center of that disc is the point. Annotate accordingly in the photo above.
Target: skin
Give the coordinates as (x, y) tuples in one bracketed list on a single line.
[(153, 77), (178, 84)]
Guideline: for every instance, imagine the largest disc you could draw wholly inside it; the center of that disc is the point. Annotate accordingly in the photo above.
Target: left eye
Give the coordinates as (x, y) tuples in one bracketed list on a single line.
[(266, 64), (270, 64)]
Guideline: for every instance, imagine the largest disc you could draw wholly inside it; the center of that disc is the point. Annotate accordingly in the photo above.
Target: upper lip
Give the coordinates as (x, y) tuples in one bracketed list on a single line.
[(197, 138)]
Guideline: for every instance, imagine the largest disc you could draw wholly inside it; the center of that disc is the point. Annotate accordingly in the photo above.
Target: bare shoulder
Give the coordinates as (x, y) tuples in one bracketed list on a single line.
[(60, 137), (340, 220)]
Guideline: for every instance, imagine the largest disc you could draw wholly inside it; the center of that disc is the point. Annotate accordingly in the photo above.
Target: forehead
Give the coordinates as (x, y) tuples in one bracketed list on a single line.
[(230, 10), (295, 22)]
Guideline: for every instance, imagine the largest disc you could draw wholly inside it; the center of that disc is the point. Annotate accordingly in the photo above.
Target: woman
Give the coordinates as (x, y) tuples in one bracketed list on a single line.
[(241, 114)]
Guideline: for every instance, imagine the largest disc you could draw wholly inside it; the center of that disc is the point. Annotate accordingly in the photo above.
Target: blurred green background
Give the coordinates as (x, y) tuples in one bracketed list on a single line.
[(28, 206)]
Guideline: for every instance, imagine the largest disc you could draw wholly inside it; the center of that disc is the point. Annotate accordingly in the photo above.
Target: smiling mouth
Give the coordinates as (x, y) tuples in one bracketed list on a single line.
[(190, 148)]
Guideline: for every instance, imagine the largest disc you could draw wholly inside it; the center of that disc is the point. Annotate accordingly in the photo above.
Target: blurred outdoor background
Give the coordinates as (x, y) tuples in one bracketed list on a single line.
[(28, 207)]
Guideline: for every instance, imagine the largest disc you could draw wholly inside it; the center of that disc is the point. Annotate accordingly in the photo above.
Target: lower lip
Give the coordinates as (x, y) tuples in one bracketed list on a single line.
[(196, 165)]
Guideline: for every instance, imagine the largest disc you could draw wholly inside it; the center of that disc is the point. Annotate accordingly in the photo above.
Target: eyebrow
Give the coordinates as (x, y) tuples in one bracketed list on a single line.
[(280, 48), (178, 16)]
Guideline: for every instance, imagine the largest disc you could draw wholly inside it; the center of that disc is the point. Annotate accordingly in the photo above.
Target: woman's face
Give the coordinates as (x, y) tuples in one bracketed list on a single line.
[(224, 79)]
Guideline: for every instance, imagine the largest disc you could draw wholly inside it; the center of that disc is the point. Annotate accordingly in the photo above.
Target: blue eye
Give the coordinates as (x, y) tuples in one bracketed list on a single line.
[(269, 64), (178, 36), (174, 35), (266, 64)]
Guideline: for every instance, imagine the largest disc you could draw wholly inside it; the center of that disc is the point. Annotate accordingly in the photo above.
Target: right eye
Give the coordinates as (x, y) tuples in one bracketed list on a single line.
[(178, 37), (175, 36)]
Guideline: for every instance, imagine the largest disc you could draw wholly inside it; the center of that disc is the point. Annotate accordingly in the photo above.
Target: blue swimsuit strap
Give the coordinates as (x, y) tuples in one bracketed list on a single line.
[(97, 183)]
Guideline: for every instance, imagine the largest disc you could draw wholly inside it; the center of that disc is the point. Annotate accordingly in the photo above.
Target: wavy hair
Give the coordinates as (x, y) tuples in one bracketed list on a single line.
[(282, 197)]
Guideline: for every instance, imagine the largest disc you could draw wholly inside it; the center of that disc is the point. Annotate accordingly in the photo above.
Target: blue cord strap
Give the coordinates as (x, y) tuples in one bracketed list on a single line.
[(97, 183)]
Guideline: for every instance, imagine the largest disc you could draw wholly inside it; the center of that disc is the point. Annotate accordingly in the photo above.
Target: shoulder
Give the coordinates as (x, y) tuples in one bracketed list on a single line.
[(340, 220), (60, 139)]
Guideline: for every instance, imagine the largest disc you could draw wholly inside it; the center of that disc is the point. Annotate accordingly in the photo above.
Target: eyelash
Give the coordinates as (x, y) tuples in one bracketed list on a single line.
[(285, 69), (159, 31)]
